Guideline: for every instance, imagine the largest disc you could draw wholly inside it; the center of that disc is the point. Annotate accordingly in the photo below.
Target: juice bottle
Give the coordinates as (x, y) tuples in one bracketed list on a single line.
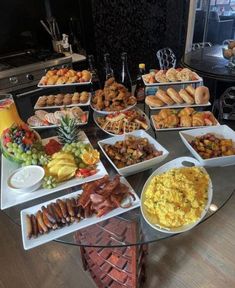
[(8, 112)]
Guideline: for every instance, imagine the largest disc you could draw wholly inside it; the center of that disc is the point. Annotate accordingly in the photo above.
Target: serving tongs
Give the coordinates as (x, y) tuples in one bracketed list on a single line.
[(52, 28)]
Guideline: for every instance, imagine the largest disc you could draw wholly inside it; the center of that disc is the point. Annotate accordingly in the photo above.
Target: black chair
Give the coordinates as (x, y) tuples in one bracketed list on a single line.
[(166, 58), (218, 30), (224, 107)]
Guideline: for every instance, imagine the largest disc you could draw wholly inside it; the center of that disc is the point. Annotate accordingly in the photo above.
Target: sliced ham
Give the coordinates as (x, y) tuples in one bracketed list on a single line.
[(41, 114), (34, 121)]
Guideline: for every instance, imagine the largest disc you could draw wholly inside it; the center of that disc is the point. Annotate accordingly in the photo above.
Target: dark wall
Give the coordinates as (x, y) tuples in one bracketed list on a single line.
[(139, 28)]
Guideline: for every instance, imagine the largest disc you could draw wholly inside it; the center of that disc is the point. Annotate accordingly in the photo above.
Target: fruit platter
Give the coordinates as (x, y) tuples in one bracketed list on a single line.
[(58, 217), (65, 77), (68, 160), (44, 119)]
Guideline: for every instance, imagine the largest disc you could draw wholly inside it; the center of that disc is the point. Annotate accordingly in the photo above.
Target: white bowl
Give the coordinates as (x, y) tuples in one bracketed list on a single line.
[(135, 168), (26, 179), (176, 163), (222, 131)]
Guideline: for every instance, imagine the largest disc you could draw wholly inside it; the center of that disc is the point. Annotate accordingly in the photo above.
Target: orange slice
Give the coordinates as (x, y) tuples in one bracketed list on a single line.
[(91, 157)]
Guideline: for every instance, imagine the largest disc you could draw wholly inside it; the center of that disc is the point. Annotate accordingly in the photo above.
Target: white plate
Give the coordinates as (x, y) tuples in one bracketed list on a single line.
[(171, 83), (55, 126), (42, 239), (222, 131), (62, 106), (180, 128), (135, 168), (176, 163), (96, 114), (175, 106), (64, 85), (10, 198), (111, 112)]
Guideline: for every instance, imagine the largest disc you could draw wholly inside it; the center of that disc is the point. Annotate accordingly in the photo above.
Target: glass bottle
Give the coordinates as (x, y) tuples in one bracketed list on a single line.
[(140, 87), (125, 74), (108, 71), (95, 77)]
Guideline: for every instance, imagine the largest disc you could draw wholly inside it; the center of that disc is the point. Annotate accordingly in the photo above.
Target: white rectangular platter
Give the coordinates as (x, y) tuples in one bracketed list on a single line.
[(10, 198), (55, 126), (54, 234), (171, 83), (175, 106), (62, 106), (179, 128), (64, 85)]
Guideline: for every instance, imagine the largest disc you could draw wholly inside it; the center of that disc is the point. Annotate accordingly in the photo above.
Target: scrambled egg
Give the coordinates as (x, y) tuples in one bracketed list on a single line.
[(177, 197)]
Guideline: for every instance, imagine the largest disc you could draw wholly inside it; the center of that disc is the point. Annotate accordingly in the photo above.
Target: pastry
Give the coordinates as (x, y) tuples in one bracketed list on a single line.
[(153, 101), (190, 90), (186, 111), (160, 76), (187, 98), (164, 113), (41, 102), (171, 75), (50, 102), (185, 121), (198, 119), (174, 95), (67, 101), (202, 95), (76, 98), (162, 95), (41, 114), (58, 101), (84, 97)]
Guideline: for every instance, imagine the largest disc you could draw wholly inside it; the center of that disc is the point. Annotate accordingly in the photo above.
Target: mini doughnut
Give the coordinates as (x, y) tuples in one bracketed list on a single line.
[(187, 98), (174, 95), (190, 90), (202, 95), (164, 97), (153, 101)]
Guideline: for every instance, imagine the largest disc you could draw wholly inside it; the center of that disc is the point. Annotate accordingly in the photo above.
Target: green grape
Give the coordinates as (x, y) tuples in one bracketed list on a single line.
[(14, 145), (28, 162), (9, 144), (10, 150), (34, 162), (35, 156), (29, 152), (77, 153)]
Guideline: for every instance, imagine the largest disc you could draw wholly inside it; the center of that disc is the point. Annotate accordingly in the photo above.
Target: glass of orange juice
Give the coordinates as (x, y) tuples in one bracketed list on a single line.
[(8, 112)]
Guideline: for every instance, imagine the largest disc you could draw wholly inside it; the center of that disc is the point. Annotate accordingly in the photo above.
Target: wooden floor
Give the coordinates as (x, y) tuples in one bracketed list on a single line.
[(203, 258)]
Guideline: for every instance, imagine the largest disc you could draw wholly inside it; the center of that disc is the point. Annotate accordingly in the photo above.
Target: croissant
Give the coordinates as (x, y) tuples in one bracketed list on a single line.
[(198, 119), (172, 121), (186, 112), (185, 121), (164, 113)]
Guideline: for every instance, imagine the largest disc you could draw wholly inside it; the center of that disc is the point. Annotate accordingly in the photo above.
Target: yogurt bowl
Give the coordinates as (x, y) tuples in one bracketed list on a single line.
[(26, 179)]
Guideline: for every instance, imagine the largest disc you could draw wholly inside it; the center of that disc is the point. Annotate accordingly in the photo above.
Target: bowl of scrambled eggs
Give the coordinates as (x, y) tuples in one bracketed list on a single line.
[(175, 198)]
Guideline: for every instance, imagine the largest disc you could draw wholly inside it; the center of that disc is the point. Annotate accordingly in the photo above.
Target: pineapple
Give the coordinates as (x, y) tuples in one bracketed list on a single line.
[(68, 131)]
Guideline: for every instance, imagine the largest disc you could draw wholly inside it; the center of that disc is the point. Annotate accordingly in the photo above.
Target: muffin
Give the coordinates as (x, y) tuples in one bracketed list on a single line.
[(58, 101), (60, 96), (44, 98), (76, 98), (67, 101), (84, 96), (41, 102), (50, 102)]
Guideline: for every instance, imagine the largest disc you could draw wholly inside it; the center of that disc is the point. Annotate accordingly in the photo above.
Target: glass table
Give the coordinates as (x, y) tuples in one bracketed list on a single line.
[(126, 236)]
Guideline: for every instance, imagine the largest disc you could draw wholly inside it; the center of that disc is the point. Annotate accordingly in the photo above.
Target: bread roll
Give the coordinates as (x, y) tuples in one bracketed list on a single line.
[(187, 98), (153, 101), (174, 95), (164, 97)]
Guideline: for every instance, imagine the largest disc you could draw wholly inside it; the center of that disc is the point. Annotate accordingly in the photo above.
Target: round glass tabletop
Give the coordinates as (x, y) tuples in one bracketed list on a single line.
[(130, 228)]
